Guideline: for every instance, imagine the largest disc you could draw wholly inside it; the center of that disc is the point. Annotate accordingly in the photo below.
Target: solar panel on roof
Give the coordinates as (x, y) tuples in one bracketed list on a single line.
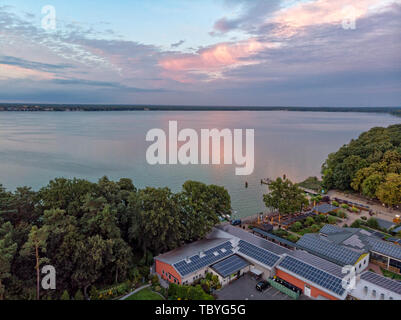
[(313, 274), (385, 248), (381, 281), (332, 251), (208, 257), (230, 265), (257, 253)]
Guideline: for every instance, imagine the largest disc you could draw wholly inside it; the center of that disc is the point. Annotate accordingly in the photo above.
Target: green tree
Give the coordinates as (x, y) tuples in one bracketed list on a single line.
[(374, 152), (285, 197), (156, 224), (36, 245), (371, 184), (390, 191), (8, 249), (65, 295), (79, 295)]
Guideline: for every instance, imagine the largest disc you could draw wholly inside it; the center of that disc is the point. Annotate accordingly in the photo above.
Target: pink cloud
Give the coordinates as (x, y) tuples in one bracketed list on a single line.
[(212, 60), (324, 12), (15, 72)]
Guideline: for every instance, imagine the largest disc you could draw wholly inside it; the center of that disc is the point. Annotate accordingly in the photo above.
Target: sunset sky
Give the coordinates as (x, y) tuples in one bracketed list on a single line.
[(203, 52)]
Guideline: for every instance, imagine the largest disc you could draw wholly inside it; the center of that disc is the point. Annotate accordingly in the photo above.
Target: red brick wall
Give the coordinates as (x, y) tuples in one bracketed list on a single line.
[(315, 292), (168, 269)]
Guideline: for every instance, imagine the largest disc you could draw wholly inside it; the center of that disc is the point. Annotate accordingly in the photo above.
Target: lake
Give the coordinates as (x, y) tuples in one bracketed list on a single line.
[(38, 147)]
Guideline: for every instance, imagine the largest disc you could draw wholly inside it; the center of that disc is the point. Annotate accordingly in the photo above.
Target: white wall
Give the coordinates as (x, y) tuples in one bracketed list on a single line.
[(360, 293), (190, 278), (363, 264)]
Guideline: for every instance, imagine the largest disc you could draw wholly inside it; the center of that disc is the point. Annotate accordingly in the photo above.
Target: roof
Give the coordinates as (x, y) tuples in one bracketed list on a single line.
[(199, 261), (230, 266), (318, 262), (385, 224), (385, 248), (274, 237), (255, 240), (325, 280), (361, 240), (325, 208), (259, 254), (329, 229), (189, 250), (326, 249), (383, 282)]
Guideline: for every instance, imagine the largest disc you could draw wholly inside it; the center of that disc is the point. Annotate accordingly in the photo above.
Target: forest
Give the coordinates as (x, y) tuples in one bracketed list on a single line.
[(97, 234), (369, 165)]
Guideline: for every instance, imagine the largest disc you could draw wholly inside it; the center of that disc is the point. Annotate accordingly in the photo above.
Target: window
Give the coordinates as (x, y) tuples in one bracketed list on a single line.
[(374, 293), (366, 290), (382, 296), (163, 271)]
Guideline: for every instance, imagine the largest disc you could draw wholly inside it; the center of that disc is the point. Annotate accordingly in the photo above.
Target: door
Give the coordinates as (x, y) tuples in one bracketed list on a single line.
[(307, 291)]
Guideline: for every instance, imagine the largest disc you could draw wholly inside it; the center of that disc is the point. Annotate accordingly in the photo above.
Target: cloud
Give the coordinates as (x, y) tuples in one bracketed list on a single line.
[(27, 64), (253, 12), (177, 44), (279, 59)]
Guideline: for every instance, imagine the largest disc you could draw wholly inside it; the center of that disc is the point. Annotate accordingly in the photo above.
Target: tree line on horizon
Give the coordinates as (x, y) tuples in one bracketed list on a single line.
[(97, 234)]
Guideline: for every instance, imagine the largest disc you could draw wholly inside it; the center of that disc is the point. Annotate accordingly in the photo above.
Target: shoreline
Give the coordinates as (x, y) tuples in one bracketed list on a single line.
[(19, 107)]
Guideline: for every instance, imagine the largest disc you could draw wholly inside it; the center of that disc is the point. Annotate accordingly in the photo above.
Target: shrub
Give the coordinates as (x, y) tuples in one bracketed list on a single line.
[(155, 280), (309, 221), (65, 295), (364, 218), (292, 238), (355, 210), (372, 223), (296, 226), (93, 293), (356, 224), (173, 290), (345, 206), (79, 295), (315, 228), (331, 220), (335, 203)]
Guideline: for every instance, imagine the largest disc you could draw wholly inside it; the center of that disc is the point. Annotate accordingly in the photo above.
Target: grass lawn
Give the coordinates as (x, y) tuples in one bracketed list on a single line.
[(145, 294)]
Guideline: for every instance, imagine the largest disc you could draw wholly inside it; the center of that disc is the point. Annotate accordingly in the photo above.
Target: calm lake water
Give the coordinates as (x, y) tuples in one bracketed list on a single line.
[(38, 147)]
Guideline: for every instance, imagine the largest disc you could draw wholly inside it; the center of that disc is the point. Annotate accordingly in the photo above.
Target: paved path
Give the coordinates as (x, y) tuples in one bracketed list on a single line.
[(381, 212), (135, 291)]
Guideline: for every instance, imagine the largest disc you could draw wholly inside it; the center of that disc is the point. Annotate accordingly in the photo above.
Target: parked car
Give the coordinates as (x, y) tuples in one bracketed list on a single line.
[(236, 222), (262, 285)]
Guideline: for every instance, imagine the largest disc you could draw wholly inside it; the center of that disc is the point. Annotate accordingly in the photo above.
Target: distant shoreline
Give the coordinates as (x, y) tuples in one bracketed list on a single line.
[(10, 107)]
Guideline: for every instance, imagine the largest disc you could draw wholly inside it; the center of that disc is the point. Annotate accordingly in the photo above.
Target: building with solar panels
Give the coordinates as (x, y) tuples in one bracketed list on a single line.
[(228, 252), (339, 254), (382, 253)]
